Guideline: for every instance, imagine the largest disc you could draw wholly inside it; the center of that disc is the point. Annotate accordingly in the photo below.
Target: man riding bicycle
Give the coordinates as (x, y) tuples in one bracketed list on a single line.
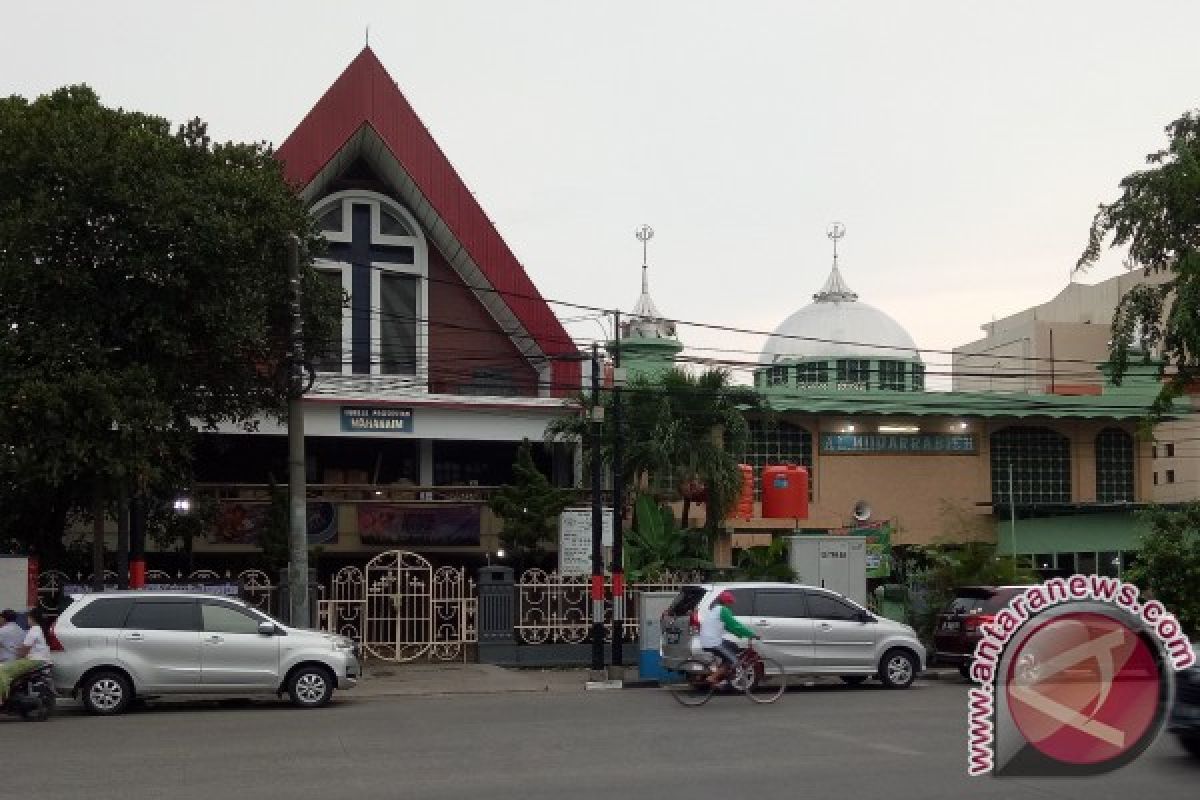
[(716, 621)]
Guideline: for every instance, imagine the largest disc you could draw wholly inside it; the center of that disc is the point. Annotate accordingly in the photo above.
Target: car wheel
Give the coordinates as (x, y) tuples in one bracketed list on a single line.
[(854, 680), (965, 670), (310, 687), (897, 669), (106, 693), (1191, 744)]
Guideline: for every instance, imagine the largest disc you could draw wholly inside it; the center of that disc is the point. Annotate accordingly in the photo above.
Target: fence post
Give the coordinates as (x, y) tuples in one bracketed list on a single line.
[(497, 615)]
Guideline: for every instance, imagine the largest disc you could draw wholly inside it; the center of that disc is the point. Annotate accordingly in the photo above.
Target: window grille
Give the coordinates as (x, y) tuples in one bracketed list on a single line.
[(1041, 466), (782, 443), (1114, 466)]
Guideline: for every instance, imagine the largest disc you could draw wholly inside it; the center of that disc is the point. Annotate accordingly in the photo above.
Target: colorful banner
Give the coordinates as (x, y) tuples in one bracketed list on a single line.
[(243, 523), (879, 546), (419, 526)]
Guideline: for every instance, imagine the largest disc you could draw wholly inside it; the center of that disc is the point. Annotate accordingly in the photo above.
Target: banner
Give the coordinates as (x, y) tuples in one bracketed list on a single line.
[(419, 526), (879, 545), (575, 539), (244, 523)]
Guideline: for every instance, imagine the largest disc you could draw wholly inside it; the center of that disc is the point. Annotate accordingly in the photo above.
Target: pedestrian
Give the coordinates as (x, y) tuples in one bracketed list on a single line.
[(31, 653), (11, 635)]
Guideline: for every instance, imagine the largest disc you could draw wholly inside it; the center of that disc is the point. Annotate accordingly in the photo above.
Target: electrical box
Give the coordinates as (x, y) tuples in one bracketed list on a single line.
[(652, 605), (831, 562), (14, 582)]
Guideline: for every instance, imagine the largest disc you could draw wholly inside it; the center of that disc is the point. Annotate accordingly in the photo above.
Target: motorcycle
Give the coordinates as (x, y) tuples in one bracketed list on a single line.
[(31, 695)]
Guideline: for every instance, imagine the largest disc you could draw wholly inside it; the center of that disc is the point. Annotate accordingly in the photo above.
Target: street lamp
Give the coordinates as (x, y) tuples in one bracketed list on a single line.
[(183, 504)]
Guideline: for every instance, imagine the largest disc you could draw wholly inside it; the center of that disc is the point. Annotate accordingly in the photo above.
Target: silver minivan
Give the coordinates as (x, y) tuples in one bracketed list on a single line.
[(809, 631), (109, 648)]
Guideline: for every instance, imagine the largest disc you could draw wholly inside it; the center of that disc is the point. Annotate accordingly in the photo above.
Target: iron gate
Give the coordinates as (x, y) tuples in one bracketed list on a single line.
[(402, 608)]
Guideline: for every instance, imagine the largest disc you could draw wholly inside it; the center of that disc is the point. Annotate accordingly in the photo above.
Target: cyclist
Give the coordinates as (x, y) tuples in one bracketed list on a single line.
[(717, 620)]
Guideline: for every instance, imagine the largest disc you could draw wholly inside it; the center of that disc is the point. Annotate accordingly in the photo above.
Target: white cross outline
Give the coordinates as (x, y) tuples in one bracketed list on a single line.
[(1100, 649)]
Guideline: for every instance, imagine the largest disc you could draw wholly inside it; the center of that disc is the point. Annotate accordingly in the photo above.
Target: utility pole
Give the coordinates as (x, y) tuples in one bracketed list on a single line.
[(597, 518), (618, 562), (1012, 510), (298, 527)]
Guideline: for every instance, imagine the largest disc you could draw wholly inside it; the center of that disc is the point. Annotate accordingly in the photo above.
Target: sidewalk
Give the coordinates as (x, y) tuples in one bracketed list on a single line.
[(401, 680), (416, 680)]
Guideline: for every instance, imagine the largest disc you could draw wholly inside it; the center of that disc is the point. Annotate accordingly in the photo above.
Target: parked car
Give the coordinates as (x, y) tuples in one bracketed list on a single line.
[(109, 648), (809, 631), (957, 628), (1184, 721)]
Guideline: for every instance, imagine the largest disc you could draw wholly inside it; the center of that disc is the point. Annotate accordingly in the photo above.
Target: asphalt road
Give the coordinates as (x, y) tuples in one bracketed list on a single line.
[(817, 742)]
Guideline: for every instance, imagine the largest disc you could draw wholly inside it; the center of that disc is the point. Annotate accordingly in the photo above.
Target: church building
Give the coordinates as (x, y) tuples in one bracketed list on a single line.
[(448, 357)]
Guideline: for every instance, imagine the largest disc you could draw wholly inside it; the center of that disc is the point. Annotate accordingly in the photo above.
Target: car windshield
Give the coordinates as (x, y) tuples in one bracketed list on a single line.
[(970, 601)]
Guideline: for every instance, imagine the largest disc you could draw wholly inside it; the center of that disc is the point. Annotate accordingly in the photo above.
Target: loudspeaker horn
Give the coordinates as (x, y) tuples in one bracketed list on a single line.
[(862, 511)]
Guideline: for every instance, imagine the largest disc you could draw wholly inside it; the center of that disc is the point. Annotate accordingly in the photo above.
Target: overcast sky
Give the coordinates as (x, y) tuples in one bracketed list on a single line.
[(964, 145)]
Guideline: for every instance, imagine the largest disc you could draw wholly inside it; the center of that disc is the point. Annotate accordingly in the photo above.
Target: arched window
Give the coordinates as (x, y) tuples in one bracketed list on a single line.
[(1114, 466), (1040, 461), (379, 257), (776, 443)]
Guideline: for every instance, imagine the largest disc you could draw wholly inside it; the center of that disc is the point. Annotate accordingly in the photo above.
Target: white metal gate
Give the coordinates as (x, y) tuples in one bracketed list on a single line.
[(402, 608)]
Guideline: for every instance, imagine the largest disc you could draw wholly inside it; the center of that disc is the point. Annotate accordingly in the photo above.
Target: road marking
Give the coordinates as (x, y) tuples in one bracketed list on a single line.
[(856, 741)]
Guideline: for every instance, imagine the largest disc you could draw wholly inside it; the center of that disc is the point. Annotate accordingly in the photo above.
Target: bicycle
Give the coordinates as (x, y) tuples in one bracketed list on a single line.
[(759, 678)]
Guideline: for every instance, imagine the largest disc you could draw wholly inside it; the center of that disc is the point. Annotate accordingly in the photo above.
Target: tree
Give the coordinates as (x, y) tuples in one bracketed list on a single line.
[(1157, 217), (680, 425), (530, 507), (657, 546), (143, 292), (1168, 562)]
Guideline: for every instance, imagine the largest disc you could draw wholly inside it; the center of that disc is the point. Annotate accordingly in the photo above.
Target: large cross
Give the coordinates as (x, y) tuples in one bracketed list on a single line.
[(361, 253)]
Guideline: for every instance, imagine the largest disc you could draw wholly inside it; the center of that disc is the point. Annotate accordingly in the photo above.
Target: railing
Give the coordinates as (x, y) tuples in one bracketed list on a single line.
[(555, 608), (368, 493), (252, 585)]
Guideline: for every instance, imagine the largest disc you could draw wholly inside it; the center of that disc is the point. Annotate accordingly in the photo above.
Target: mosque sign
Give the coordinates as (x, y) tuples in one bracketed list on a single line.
[(894, 443), (372, 418)]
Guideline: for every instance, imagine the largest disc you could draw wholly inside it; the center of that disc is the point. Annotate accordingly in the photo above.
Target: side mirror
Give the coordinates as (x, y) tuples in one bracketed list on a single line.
[(266, 628), (865, 616)]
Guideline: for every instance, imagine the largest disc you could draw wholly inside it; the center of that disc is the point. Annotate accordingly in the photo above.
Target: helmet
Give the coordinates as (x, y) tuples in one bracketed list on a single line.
[(725, 598)]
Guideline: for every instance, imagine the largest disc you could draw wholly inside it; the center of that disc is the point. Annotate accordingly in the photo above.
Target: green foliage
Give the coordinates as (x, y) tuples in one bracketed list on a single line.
[(1168, 563), (656, 545), (944, 567), (766, 563), (530, 507), (1157, 217), (143, 291), (677, 424)]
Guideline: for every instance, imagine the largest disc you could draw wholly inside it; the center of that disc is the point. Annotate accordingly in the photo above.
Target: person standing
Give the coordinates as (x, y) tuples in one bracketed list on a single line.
[(11, 635)]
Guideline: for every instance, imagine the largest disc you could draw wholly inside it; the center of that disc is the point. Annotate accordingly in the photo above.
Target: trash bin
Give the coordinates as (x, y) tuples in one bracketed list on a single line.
[(651, 606)]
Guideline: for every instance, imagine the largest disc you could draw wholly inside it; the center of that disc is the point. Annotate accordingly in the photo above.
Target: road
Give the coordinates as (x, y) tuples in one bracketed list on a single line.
[(817, 742)]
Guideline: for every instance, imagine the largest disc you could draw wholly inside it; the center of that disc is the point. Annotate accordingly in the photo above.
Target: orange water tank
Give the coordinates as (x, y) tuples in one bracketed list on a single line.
[(743, 507), (785, 492)]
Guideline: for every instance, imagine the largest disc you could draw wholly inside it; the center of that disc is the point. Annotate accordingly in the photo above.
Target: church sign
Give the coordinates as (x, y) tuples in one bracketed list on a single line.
[(892, 443), (356, 419)]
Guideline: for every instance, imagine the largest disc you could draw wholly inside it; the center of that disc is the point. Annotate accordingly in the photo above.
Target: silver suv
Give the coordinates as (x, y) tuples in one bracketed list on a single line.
[(115, 646), (809, 631)]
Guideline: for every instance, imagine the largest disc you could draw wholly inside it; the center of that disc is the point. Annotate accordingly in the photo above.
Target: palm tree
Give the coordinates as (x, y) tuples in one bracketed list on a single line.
[(678, 425)]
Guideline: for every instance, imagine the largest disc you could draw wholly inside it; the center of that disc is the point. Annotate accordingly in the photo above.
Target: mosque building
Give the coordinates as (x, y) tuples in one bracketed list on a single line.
[(892, 460)]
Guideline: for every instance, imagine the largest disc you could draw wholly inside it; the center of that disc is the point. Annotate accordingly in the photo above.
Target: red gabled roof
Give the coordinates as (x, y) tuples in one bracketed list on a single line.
[(365, 94)]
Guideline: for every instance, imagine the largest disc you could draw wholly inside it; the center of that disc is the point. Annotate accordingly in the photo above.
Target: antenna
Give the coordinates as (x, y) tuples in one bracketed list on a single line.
[(644, 234)]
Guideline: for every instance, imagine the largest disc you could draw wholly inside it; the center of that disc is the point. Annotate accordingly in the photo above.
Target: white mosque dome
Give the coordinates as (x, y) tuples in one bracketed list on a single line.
[(838, 325)]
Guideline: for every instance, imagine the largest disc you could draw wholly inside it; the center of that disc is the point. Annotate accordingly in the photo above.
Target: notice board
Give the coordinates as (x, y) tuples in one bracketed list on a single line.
[(575, 540)]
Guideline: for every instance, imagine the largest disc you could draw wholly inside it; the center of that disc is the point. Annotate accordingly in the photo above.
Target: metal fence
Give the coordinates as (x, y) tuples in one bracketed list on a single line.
[(401, 608)]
